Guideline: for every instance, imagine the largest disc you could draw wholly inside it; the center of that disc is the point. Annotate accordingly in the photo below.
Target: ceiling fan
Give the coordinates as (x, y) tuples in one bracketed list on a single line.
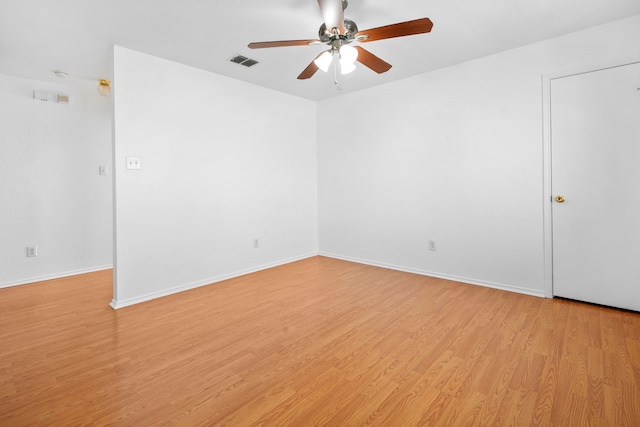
[(338, 33)]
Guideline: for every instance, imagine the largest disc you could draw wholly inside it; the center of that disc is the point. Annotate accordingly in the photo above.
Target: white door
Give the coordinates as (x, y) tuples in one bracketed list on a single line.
[(595, 166)]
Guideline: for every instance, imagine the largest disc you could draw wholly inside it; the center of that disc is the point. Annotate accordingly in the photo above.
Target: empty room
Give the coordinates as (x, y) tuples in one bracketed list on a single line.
[(320, 212)]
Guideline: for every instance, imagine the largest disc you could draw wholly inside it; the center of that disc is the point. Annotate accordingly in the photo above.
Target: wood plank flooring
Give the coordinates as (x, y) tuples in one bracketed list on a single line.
[(316, 342)]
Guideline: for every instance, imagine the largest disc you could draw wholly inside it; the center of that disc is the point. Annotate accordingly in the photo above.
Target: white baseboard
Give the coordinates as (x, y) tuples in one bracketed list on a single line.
[(55, 276), (186, 287), (120, 304), (500, 286)]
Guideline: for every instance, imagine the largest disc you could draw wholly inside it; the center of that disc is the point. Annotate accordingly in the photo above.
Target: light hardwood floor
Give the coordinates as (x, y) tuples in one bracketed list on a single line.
[(316, 342)]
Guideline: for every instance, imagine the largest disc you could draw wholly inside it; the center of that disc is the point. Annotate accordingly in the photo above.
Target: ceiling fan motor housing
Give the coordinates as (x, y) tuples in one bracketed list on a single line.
[(351, 29)]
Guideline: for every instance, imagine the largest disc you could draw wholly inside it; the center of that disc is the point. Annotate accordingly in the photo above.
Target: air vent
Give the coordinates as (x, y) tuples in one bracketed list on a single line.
[(243, 60), (249, 62), (239, 59)]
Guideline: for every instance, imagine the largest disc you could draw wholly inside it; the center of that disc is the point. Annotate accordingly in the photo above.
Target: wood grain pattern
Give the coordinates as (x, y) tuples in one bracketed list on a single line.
[(372, 61), (282, 43), (311, 69), (316, 342), (401, 29)]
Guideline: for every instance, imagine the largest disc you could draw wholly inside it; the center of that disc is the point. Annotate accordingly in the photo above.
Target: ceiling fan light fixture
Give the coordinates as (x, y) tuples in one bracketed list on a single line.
[(348, 57), (347, 67), (324, 60)]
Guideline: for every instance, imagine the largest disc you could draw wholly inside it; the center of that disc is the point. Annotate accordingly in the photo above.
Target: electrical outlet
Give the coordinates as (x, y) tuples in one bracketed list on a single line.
[(32, 251), (256, 243), (133, 163), (432, 245)]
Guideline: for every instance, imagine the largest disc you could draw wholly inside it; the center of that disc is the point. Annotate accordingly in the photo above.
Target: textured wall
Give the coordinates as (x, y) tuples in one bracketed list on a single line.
[(51, 194)]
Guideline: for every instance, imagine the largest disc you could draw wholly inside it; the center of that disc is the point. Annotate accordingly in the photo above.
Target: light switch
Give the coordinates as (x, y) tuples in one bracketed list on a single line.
[(133, 163)]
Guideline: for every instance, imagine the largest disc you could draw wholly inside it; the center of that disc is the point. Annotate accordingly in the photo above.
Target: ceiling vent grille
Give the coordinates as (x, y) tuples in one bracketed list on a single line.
[(249, 62), (239, 59), (243, 60)]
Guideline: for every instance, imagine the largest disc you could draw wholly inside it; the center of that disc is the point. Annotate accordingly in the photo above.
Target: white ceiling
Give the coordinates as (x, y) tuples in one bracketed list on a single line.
[(75, 36)]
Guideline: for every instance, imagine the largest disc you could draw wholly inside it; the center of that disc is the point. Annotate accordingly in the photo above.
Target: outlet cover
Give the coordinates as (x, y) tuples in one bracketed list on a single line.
[(32, 251)]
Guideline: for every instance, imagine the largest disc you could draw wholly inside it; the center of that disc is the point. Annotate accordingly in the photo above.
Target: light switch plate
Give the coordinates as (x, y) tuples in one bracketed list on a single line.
[(133, 163)]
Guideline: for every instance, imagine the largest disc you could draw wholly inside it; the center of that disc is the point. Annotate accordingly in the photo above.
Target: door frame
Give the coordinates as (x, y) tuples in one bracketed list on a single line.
[(546, 150)]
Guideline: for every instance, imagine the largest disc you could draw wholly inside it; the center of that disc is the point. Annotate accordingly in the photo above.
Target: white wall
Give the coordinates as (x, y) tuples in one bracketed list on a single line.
[(50, 192), (455, 156), (223, 162)]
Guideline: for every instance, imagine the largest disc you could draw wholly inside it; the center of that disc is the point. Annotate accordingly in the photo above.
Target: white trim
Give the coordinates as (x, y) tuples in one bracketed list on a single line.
[(502, 287), (115, 170), (547, 160), (574, 71), (547, 227), (55, 276), (188, 286)]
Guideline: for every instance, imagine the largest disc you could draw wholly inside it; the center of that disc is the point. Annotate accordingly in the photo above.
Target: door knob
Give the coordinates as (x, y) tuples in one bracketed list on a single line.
[(560, 199)]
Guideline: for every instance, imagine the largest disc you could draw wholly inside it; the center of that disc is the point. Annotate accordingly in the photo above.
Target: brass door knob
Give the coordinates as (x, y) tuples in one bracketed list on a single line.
[(560, 199)]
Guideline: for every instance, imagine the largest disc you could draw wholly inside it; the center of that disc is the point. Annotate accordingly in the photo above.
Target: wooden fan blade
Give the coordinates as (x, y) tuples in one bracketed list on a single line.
[(368, 59), (282, 43), (310, 70), (417, 26), (333, 14)]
